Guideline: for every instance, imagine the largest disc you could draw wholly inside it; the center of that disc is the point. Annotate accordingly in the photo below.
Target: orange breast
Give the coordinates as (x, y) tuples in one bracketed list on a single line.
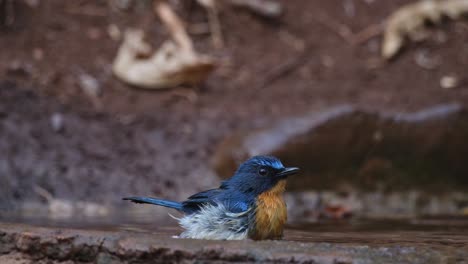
[(270, 215)]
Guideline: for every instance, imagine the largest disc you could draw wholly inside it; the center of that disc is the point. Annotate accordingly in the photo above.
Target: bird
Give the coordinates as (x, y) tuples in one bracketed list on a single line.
[(248, 205)]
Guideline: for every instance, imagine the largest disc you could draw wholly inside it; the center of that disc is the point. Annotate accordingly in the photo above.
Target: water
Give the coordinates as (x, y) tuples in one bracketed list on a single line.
[(443, 231), (434, 231)]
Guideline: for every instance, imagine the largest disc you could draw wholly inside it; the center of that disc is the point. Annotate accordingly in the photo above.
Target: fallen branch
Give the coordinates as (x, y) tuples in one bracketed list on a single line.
[(345, 32), (368, 33)]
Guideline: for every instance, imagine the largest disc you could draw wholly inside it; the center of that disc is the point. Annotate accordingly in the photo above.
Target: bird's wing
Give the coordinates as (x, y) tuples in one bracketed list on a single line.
[(198, 200), (205, 195), (234, 202)]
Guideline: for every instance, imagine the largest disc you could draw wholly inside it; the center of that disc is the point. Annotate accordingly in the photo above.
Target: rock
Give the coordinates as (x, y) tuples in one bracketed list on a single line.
[(425, 60), (114, 32), (346, 145), (89, 85), (51, 245)]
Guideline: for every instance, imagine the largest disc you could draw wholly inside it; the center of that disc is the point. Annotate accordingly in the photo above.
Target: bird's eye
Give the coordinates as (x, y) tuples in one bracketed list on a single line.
[(262, 171)]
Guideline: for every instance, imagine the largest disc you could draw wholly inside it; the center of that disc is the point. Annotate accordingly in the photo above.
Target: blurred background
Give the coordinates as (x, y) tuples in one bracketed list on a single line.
[(105, 99)]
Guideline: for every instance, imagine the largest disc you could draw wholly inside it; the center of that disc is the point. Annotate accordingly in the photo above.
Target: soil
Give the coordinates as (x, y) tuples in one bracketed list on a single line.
[(129, 140)]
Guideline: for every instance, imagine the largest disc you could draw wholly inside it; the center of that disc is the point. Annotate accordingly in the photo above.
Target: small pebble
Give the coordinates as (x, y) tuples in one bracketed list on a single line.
[(38, 54), (32, 3), (425, 60), (56, 122), (448, 82), (122, 4), (114, 32), (94, 33)]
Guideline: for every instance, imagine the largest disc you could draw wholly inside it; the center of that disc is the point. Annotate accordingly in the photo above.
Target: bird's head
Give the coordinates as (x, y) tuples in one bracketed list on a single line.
[(260, 174)]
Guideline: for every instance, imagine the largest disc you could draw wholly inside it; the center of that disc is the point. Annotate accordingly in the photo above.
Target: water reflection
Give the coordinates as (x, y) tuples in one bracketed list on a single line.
[(434, 231)]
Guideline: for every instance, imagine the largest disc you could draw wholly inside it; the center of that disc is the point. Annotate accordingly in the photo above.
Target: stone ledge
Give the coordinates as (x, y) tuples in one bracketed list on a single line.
[(29, 244)]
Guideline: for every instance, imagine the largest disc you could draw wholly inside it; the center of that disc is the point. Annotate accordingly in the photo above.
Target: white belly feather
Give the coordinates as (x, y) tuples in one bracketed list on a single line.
[(215, 222)]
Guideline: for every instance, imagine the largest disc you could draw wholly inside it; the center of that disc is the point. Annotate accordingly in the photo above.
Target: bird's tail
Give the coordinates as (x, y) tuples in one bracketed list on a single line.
[(156, 201)]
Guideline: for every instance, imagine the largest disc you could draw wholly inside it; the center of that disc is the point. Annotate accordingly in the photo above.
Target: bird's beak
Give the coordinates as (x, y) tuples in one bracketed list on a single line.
[(287, 171)]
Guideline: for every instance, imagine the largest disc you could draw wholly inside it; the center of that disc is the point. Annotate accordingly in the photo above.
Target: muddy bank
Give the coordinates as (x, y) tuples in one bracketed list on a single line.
[(47, 245), (346, 145), (83, 156)]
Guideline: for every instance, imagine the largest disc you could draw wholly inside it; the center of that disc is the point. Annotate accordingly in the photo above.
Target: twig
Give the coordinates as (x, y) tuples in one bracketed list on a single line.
[(368, 33), (188, 94), (214, 23), (340, 29), (215, 26), (265, 8), (174, 24), (282, 70), (43, 193)]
